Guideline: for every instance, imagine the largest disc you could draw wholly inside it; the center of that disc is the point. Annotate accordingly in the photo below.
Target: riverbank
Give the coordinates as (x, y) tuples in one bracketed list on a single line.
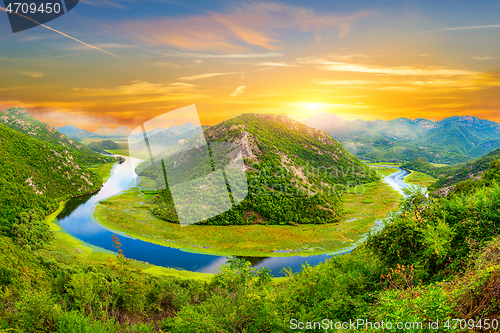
[(420, 179), (129, 213), (73, 252)]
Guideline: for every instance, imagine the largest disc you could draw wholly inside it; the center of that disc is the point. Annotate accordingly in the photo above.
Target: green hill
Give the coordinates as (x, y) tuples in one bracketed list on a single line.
[(295, 173), (37, 175), (450, 176), (21, 121)]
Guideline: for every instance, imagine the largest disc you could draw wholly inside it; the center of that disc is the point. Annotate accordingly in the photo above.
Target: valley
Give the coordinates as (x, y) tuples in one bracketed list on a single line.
[(113, 244), (130, 213)]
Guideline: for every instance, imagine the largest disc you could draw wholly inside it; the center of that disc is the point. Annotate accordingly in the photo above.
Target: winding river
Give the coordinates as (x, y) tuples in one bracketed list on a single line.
[(76, 219)]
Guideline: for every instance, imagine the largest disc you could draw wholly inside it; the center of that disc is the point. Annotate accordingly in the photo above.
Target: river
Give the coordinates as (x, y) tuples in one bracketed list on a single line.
[(76, 219)]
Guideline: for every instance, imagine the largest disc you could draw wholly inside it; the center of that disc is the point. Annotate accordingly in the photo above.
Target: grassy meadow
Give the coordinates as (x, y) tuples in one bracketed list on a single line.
[(130, 213)]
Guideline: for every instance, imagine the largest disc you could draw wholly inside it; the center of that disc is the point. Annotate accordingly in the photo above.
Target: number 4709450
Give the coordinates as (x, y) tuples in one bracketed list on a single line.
[(32, 8)]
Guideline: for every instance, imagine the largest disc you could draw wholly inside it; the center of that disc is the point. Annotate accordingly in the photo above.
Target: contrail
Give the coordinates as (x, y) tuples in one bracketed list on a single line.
[(492, 26), (62, 33)]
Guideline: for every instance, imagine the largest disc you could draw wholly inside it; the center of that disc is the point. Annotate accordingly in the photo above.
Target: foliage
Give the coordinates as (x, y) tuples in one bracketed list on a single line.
[(30, 231), (36, 175)]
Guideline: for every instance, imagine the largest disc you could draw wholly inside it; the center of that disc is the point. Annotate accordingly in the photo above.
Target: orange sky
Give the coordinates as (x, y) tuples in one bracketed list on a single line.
[(357, 62)]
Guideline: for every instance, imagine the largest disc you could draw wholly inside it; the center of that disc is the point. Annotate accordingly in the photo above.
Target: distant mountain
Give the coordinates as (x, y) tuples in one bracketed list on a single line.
[(99, 146), (293, 171), (21, 121), (121, 131), (451, 140), (75, 132), (165, 138)]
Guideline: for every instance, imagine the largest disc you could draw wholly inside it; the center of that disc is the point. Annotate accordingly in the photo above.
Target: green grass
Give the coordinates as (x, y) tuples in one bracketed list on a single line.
[(384, 171), (385, 163), (420, 179), (130, 213), (439, 165), (102, 170)]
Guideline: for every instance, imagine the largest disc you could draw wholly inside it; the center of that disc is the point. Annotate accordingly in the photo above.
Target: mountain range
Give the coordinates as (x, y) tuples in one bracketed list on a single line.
[(450, 140), (101, 133), (122, 131)]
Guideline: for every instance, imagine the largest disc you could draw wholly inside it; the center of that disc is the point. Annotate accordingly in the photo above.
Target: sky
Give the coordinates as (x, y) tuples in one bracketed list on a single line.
[(114, 62)]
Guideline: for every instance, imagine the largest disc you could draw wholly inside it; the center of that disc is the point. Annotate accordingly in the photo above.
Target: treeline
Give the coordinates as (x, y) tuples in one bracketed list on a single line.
[(438, 260)]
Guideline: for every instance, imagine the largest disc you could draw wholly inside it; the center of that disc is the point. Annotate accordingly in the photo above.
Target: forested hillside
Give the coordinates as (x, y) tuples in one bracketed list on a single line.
[(21, 121), (37, 175), (449, 176), (292, 171)]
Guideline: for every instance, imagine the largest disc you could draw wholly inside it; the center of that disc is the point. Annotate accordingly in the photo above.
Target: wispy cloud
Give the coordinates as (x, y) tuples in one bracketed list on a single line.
[(106, 3), (137, 87), (210, 55), (474, 27), (253, 24), (206, 76), (238, 91), (484, 58), (400, 70), (65, 55), (276, 64), (33, 74)]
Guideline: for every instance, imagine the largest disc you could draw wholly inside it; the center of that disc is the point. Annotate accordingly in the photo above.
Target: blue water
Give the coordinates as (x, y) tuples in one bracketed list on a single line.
[(76, 219)]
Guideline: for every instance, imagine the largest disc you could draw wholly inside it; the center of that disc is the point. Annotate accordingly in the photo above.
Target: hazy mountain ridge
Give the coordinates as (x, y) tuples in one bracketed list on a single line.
[(75, 132), (450, 140)]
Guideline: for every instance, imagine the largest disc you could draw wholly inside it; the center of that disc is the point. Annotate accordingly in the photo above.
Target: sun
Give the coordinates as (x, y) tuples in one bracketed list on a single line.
[(313, 106)]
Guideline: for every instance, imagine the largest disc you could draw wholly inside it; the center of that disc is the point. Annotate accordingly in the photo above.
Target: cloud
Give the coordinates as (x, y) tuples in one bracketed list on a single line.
[(105, 4), (276, 64), (137, 87), (345, 82), (33, 74), (209, 55), (165, 64), (400, 70), (205, 76), (238, 91), (483, 58), (252, 24), (65, 55), (475, 27)]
